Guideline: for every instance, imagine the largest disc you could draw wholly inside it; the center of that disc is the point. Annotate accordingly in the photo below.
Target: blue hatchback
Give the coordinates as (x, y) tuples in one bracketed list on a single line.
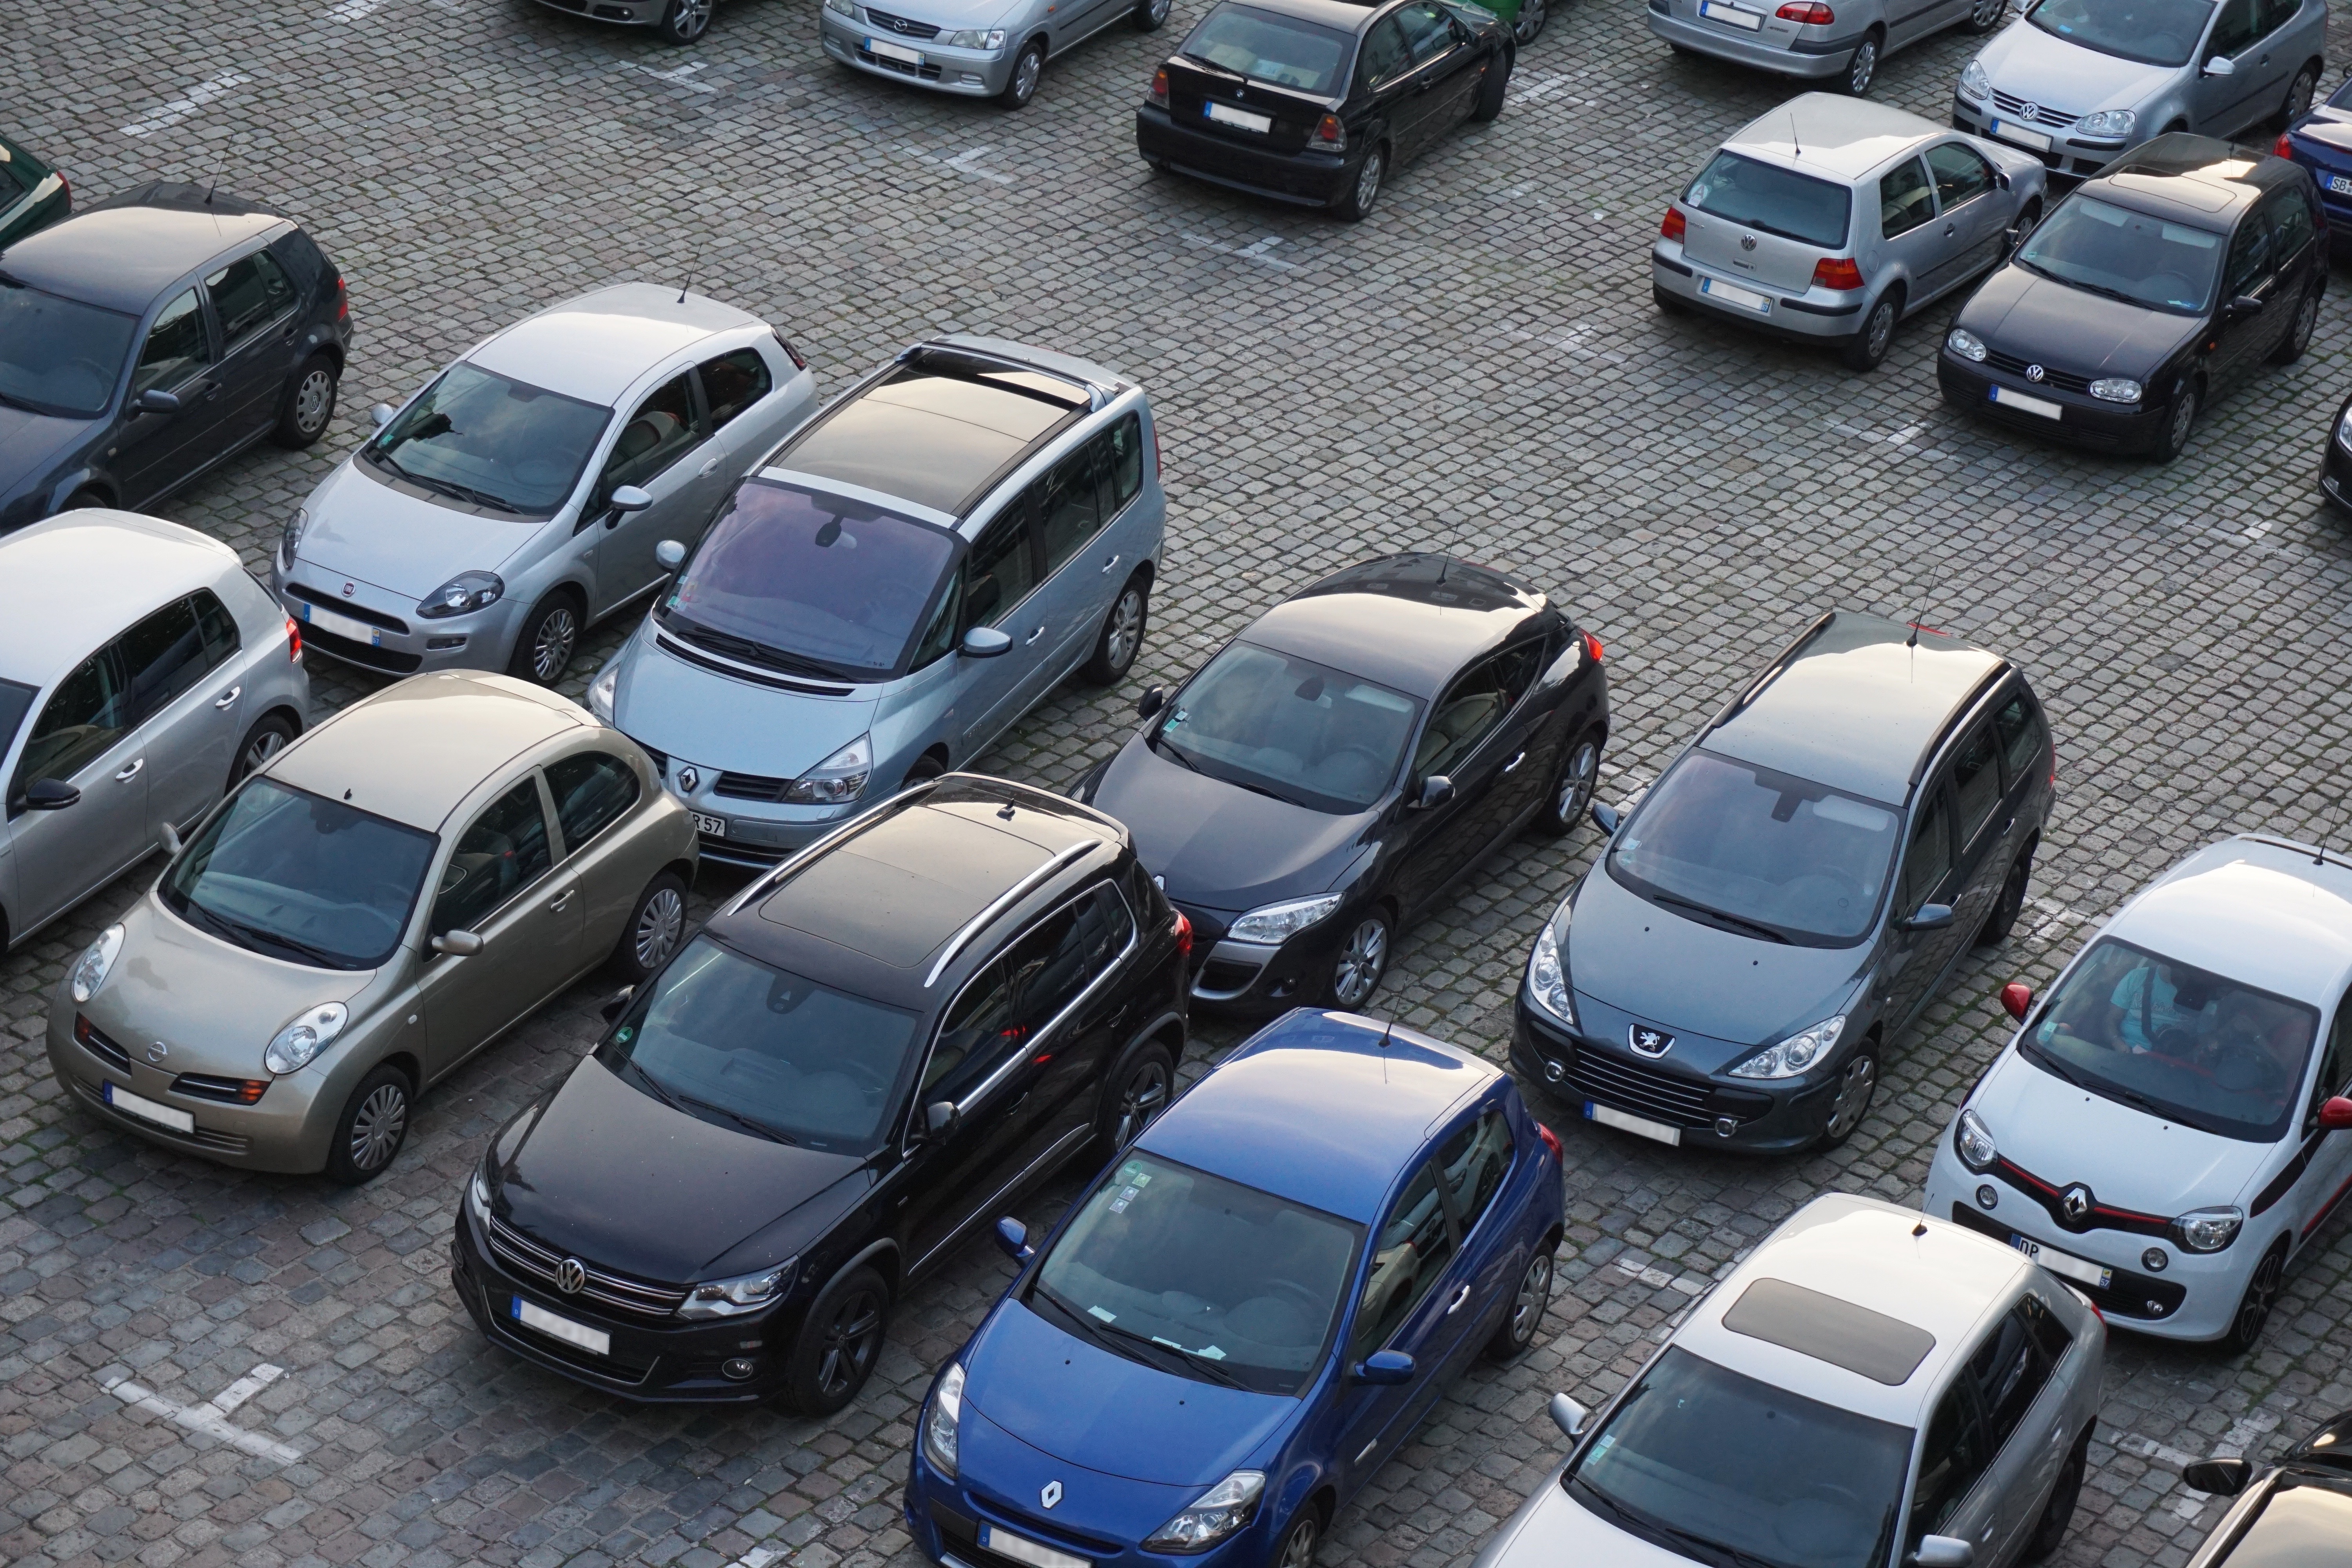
[(1250, 1311), (2321, 141)]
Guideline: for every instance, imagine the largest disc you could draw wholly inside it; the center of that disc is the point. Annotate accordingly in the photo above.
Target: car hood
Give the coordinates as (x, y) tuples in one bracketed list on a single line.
[(2043, 69), (31, 445), (1219, 845), (2022, 313), (714, 721), (612, 1173), (1689, 978), (2128, 1158), (1552, 1530), (363, 529)]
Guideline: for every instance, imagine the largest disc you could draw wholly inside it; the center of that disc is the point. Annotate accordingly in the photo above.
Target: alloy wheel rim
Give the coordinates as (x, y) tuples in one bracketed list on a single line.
[(551, 651), (1576, 782), (1368, 181), (312, 399), (2184, 415), (1362, 962), (1866, 65), (1126, 629), (693, 15), (265, 745), (1300, 1550), (1988, 12), (1535, 1294), (1532, 16), (2305, 320), (1882, 326), (1025, 74), (2298, 100), (848, 1342), (376, 1129), (1853, 1093), (2256, 1309), (1144, 1093), (1160, 10), (2012, 897), (658, 928)]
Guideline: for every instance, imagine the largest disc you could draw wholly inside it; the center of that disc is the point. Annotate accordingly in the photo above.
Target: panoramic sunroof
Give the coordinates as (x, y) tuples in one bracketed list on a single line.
[(1872, 1344)]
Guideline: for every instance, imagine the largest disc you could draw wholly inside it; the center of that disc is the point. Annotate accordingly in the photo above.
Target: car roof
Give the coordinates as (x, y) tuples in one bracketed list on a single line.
[(123, 256), (1324, 1109), (1855, 703), (1927, 1275), (2196, 180), (1829, 134), (596, 347), (1346, 15), (416, 749), (122, 566), (2298, 1520), (1407, 622), (2267, 911)]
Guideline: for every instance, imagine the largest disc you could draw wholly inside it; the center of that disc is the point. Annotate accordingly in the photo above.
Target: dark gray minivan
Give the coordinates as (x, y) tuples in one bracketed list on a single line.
[(1791, 891)]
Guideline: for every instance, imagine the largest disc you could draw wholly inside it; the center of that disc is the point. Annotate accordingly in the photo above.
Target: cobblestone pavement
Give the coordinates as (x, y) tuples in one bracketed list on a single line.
[(1478, 366)]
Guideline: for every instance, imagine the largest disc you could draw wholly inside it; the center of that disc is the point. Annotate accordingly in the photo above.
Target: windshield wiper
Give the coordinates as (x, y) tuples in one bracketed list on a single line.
[(449, 487), (1641, 1524), (737, 1117), (1758, 926), (248, 936), (1261, 789), (749, 650), (1097, 1331), (1194, 1361), (1162, 745)]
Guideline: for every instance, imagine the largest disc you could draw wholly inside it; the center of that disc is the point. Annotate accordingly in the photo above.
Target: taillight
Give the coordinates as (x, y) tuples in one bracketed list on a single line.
[(2285, 148), (2054, 758), (1593, 647), (1159, 87), (791, 352), (64, 187), (1806, 13), (1183, 933), (1329, 134), (293, 640), (1552, 1142), (1673, 227), (1836, 272), (342, 299)]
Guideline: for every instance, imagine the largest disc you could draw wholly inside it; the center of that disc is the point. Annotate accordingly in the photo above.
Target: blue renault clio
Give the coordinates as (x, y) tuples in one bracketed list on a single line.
[(1251, 1311)]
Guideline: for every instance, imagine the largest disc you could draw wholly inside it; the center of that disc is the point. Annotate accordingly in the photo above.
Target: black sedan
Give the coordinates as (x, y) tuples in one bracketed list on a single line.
[(2296, 1514), (1316, 101), (1336, 768), (152, 335), (2172, 273)]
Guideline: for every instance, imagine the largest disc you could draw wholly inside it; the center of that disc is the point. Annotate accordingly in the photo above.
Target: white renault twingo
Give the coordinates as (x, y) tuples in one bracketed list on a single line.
[(2169, 1126)]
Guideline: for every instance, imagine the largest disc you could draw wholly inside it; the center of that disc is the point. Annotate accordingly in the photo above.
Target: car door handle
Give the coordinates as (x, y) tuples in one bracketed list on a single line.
[(211, 390), (1515, 762), (1459, 1296), (710, 468), (1950, 229), (228, 698), (562, 900), (1108, 565), (1032, 636), (127, 775)]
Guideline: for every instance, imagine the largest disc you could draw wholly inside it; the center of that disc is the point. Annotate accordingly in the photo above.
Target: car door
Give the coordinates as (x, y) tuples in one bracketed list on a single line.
[(2008, 1372), (1080, 581), (154, 451), (1978, 817), (2249, 272), (593, 790), (185, 721), (1474, 1159), (1384, 74), (2328, 1176), (1445, 70), (2294, 235), (1511, 767), (738, 401), (1907, 227), (83, 737), (1948, 1494), (500, 882), (1441, 839), (1972, 212), (1409, 1280), (253, 304), (1000, 590), (663, 449), (1914, 958), (973, 1064), (1078, 1008), (2224, 103)]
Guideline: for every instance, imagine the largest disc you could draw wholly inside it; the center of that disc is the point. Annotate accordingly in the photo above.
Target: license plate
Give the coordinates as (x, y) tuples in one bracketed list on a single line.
[(146, 1109), (2064, 1263), (1020, 1549), (2008, 398), (1732, 14), (894, 52), (342, 626), (2339, 184), (2019, 134), (595, 1342), (710, 826), (1624, 1121), (1225, 114), (1732, 294)]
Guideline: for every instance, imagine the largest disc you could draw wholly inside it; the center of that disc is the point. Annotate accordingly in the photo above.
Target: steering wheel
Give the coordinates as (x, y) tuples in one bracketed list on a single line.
[(2257, 1070)]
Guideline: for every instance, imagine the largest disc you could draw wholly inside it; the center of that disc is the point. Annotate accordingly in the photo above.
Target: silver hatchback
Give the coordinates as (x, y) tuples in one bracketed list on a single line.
[(1841, 39), (977, 49), (1829, 220)]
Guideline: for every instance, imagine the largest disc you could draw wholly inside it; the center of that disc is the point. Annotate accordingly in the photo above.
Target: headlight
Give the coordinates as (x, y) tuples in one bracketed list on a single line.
[(463, 594), (291, 540), (733, 1297), (1220, 1511), (1974, 83), (477, 1198), (1280, 922), (2343, 428), (305, 1037), (1972, 1141), (2115, 389), (1795, 1054), (90, 969), (2106, 122), (1547, 982), (976, 38), (840, 777), (601, 689), (1966, 345), (842, 8), (940, 1426), (2207, 1230)]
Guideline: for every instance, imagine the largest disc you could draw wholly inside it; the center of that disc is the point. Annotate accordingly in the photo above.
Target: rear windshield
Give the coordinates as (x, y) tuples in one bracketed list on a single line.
[(58, 356), (1263, 47), (1794, 206), (2152, 32), (2141, 260)]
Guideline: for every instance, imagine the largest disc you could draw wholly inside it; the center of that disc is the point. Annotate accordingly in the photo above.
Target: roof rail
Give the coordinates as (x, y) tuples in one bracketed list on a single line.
[(1771, 672), (770, 880), (1020, 891), (1978, 696)]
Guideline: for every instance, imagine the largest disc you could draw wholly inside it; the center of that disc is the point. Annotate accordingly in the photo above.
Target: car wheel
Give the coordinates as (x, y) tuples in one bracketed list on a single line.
[(1572, 789), (2254, 1306), (1121, 637), (372, 1129), (2298, 332), (1363, 960), (310, 404), (1152, 15), (1136, 1095), (1533, 14), (686, 20), (1027, 70), (657, 926), (1986, 15), (2050, 1530), (1494, 89), (1867, 350), (1850, 1104), (1298, 1545), (2299, 94), (1862, 69), (270, 735), (550, 636), (840, 1340), (2029, 218), (1518, 1330), (2008, 905), (2180, 422), (1356, 204)]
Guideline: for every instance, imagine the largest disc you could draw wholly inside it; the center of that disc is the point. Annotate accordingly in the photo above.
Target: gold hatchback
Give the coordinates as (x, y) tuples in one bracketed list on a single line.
[(389, 894)]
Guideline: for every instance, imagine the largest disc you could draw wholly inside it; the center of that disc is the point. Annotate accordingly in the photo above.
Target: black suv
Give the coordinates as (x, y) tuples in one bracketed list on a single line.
[(868, 1051), (152, 335), (1792, 891)]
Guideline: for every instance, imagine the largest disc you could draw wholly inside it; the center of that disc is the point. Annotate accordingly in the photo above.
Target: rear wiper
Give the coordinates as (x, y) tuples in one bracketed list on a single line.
[(1758, 926), (1204, 60)]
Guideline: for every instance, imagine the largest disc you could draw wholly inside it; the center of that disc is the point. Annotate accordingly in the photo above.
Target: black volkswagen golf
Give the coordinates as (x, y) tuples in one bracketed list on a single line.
[(870, 1050), (1792, 892), (1333, 770)]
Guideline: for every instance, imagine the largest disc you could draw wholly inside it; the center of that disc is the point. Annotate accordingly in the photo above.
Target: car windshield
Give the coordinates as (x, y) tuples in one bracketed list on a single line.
[(2126, 255), (297, 876), (1759, 851), (2175, 1041), (59, 356), (480, 439), (1200, 1276), (1811, 1486), (1290, 727), (2152, 32), (1283, 50), (770, 1053), (1758, 196), (808, 584)]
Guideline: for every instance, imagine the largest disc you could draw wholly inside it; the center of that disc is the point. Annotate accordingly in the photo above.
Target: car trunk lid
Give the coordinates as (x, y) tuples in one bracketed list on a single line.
[(1228, 105), (1750, 255)]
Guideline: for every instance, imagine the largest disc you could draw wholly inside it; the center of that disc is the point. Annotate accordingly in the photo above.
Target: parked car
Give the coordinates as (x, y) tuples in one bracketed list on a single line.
[(1327, 776), (1829, 220), (894, 587), (1868, 1389), (2147, 293), (152, 336), (1848, 40), (672, 21), (2321, 141), (374, 904), (2078, 82), (1249, 1313), (1792, 891), (1319, 102), (195, 680), (2299, 1511), (32, 194), (2335, 457), (981, 49), (2168, 1128), (861, 1058), (519, 497)]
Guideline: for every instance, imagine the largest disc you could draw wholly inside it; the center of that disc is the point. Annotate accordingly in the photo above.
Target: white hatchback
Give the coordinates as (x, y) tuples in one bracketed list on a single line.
[(2168, 1126)]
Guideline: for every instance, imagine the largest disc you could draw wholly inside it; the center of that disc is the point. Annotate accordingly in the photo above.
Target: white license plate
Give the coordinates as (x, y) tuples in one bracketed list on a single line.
[(1609, 1116), (2008, 398), (894, 52), (342, 626), (2339, 184), (1225, 114), (711, 826), (2064, 1263), (1020, 1549), (1732, 14), (146, 1109), (2019, 134), (1732, 294), (595, 1342)]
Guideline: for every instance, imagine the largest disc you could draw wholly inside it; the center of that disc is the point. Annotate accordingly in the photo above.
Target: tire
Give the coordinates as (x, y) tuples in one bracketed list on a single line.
[(1362, 962), (1028, 70), (1134, 1095), (2253, 1313), (1862, 69), (269, 735), (1528, 25), (1150, 15), (1493, 90), (655, 931), (2298, 332), (684, 21), (839, 1342), (1867, 349), (1364, 192), (550, 637), (374, 1126), (2050, 1530), (2008, 905), (2179, 424), (2299, 94), (1985, 15), (1121, 637), (926, 767), (1518, 1330), (309, 402), (1850, 1107), (2029, 218), (1300, 1541), (1572, 789)]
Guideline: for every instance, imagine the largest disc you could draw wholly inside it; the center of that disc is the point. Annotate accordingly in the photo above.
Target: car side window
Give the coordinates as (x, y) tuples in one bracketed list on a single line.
[(1929, 856), (1976, 779), (1059, 957), (660, 431), (1474, 1162), (163, 657), (980, 1034), (1470, 710), (938, 638), (732, 383), (505, 851), (2335, 1062), (2291, 225), (1427, 32), (1414, 1245), (1122, 464), (248, 294), (1905, 201), (86, 715), (1069, 506), (2253, 255), (174, 349), (2233, 30), (2019, 722), (1385, 56), (1962, 174), (1952, 1456), (219, 628), (2270, 16), (592, 789), (1000, 571), (2009, 1371)]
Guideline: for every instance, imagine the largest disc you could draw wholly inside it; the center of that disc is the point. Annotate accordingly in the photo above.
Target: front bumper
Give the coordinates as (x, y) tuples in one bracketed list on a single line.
[(973, 73), (373, 628), (2082, 420), (2335, 472), (1774, 1117), (2076, 156), (1262, 978), (627, 13), (1311, 179), (287, 1131), (752, 832), (1821, 315), (1811, 59)]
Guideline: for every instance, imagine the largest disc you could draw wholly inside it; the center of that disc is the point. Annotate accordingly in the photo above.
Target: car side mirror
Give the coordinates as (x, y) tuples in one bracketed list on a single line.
[(49, 795), (155, 400), (1569, 1415), (2336, 1114), (2221, 65), (171, 837), (1927, 917), (2000, 178), (1435, 790), (381, 415), (2222, 1478), (1942, 1552), (627, 499), (2244, 308), (669, 554), (1384, 1368), (616, 1004), (940, 1118), (2017, 1000), (1605, 818), (985, 642), (1013, 1237), (457, 943), (1153, 700)]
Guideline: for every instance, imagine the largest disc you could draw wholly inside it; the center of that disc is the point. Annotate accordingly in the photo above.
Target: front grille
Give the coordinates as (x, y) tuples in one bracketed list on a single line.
[(2009, 104), (927, 72), (749, 786), (203, 1138), (735, 852), (536, 1261), (2102, 1216), (1644, 1092), (2130, 1294), (98, 1045), (225, 1090), (2065, 381), (345, 608), (904, 26), (360, 653), (660, 759)]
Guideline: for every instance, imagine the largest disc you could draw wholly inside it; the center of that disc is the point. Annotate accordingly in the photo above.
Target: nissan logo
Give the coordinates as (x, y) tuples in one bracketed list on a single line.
[(569, 1276), (2076, 1203), (2035, 372)]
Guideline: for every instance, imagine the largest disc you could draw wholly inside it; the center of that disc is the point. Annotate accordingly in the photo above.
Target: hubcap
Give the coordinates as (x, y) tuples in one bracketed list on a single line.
[(1025, 75), (312, 399), (1144, 1093), (1987, 10), (1531, 20), (658, 927), (2256, 1309), (1368, 181), (1853, 1095), (1865, 64), (2305, 320), (2300, 99), (1360, 963), (265, 745), (1882, 326), (551, 651), (1160, 10), (849, 1341), (1300, 1550), (376, 1131), (1126, 630), (2183, 416), (1535, 1292), (1576, 782)]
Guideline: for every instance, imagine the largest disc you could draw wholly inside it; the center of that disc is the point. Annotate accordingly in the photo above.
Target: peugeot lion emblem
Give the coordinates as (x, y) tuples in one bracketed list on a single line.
[(2034, 372), (157, 1052), (1649, 1042), (1747, 242), (689, 779), (1052, 1494), (569, 1276), (2076, 1201)]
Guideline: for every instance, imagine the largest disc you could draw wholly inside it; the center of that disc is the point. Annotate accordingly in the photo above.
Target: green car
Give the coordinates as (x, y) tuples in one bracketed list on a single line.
[(32, 194), (1525, 18)]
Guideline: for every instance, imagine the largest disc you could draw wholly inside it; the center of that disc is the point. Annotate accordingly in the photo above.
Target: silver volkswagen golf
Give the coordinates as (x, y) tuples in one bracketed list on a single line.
[(893, 588), (518, 497)]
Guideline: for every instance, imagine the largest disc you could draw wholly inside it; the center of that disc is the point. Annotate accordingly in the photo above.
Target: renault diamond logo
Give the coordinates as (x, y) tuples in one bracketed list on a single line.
[(2034, 372), (689, 779), (569, 1276), (1649, 1042), (2076, 1201), (157, 1052), (1052, 1494)]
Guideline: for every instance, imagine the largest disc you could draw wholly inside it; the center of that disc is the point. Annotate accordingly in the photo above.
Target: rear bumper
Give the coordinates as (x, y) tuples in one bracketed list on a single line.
[(1812, 321), (1811, 60), (2082, 421), (1311, 179)]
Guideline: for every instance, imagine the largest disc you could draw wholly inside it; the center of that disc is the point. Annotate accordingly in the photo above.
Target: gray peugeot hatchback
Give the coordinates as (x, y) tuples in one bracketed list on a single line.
[(1791, 891)]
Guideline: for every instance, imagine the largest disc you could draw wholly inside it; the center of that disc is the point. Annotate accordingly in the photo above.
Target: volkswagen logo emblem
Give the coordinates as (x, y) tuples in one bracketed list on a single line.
[(347, 589), (1747, 242), (2031, 112), (157, 1052), (1052, 1494), (2035, 372), (569, 1276), (2076, 1203), (689, 779), (1648, 1042)]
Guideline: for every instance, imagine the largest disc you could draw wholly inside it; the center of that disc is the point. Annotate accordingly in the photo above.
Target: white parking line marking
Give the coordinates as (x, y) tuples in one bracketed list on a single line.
[(758, 1557), (1540, 88), (178, 108), (677, 78), (356, 10), (211, 1418), (1258, 253), (964, 163)]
